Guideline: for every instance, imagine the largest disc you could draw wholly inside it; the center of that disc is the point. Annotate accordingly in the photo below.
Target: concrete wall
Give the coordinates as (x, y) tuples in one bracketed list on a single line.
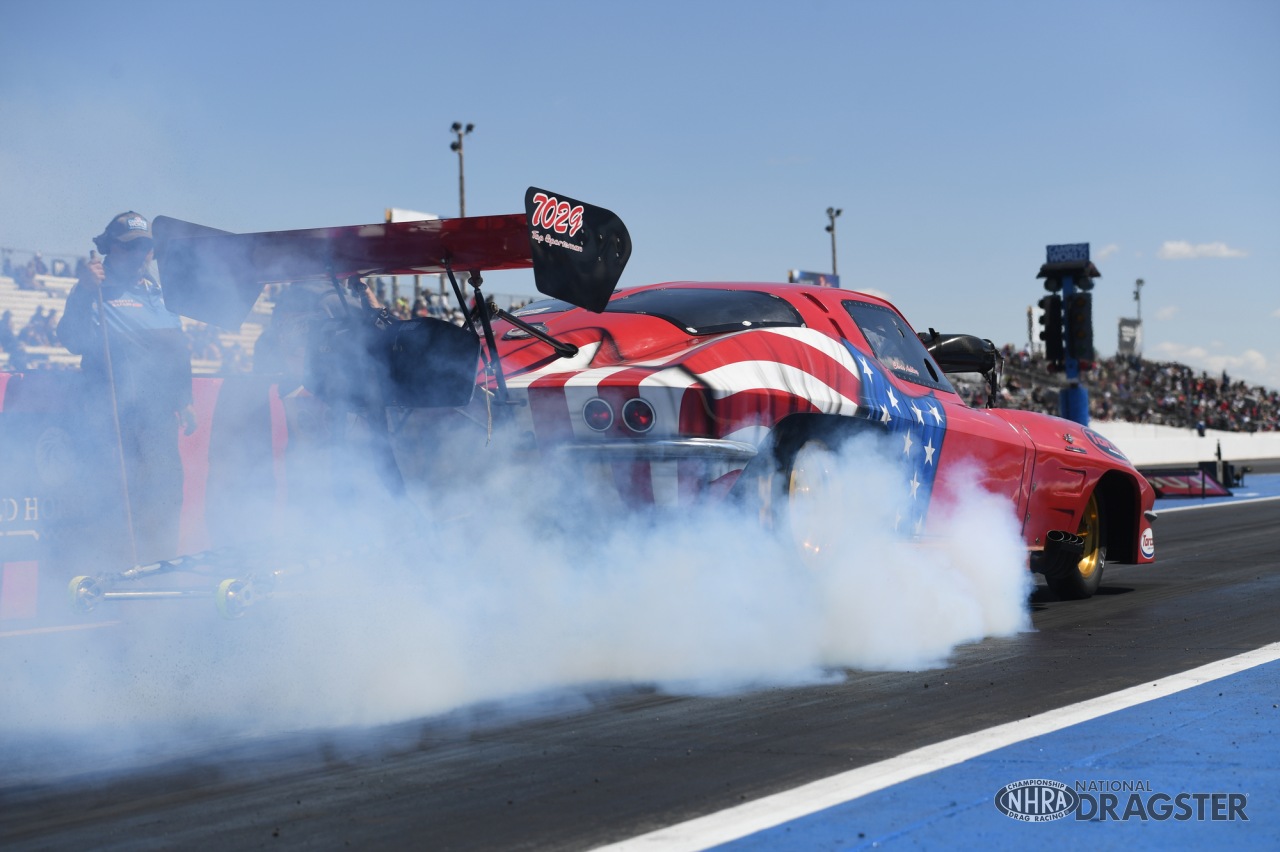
[(1147, 444)]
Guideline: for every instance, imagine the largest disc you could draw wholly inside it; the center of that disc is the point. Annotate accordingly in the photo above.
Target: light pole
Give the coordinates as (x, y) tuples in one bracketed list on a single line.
[(1137, 296), (832, 213), (456, 145)]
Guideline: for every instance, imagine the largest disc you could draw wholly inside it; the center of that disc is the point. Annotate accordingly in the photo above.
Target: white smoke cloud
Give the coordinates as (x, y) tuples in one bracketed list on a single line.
[(520, 586)]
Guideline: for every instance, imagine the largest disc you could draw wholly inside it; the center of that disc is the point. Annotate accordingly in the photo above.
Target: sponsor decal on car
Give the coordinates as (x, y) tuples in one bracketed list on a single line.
[(556, 215), (1148, 543), (1103, 444)]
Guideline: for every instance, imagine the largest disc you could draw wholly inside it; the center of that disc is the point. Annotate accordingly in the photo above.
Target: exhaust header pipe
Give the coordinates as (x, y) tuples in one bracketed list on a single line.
[(1061, 541), (1062, 550)]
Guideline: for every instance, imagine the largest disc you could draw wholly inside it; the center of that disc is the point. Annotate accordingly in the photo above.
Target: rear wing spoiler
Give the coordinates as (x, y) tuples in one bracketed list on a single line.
[(577, 252)]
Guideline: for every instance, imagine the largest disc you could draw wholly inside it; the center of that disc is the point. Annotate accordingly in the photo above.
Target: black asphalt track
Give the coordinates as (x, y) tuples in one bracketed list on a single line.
[(627, 761)]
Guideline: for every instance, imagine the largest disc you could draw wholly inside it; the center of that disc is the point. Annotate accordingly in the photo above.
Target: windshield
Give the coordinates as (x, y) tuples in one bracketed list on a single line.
[(896, 345), (703, 310), (543, 306)]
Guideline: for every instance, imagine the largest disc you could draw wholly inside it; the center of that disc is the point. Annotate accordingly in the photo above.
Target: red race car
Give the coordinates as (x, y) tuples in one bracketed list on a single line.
[(692, 391), (685, 392)]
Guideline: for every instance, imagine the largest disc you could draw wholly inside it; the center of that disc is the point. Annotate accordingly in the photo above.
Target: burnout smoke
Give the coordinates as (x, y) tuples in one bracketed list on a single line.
[(507, 581)]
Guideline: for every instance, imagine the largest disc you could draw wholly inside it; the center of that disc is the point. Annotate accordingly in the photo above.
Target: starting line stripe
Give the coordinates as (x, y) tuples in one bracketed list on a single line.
[(65, 628), (770, 811)]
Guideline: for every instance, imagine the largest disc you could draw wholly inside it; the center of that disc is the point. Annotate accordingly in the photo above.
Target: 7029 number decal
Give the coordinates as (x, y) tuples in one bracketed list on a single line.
[(556, 215)]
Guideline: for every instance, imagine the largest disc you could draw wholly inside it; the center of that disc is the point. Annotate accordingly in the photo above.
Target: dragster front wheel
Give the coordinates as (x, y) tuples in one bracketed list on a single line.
[(233, 598), (84, 592)]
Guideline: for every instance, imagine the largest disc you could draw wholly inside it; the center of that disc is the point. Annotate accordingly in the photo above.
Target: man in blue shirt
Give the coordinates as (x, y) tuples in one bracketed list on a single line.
[(136, 364)]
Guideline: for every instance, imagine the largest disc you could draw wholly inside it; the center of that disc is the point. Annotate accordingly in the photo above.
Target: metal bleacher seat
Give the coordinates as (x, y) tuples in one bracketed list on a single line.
[(23, 303), (55, 285), (53, 355)]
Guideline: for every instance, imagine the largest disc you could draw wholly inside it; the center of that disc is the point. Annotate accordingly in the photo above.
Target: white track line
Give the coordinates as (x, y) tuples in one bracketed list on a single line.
[(770, 811), (1212, 505)]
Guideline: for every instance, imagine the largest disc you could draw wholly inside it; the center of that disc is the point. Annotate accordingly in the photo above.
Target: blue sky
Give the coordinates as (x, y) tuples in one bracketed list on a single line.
[(958, 138)]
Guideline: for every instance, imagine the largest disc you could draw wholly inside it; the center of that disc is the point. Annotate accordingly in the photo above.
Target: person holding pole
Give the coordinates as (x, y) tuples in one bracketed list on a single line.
[(136, 366)]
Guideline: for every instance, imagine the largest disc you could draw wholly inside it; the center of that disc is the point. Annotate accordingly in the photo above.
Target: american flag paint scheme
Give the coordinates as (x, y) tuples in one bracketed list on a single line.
[(731, 377)]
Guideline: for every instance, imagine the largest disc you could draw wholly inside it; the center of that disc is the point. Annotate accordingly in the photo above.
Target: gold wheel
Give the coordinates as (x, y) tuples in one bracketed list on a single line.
[(811, 484), (1090, 530), (1081, 579)]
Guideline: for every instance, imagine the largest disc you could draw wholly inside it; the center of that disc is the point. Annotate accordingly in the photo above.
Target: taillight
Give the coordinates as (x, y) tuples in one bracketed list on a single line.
[(597, 414), (638, 415)]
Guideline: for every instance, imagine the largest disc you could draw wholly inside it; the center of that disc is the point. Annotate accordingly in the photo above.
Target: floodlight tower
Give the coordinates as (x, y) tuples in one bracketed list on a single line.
[(832, 213), (456, 145)]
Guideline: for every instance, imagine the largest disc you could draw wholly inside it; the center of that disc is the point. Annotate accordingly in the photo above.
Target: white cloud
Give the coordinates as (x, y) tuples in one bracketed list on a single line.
[(1183, 250), (1106, 251), (1276, 313), (1168, 312)]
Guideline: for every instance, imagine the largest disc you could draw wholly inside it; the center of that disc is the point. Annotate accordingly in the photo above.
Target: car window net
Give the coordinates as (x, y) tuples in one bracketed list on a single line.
[(896, 346)]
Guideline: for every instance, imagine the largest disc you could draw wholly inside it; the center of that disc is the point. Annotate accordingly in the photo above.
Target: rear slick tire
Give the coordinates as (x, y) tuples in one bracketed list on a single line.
[(1083, 579), (810, 482)]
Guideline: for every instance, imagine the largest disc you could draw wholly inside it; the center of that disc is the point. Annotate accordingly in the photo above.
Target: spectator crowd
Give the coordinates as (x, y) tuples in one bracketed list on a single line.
[(206, 343), (39, 330), (1139, 391), (24, 275)]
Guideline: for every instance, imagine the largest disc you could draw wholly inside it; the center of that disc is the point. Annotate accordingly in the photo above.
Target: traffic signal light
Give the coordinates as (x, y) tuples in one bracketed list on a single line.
[(1079, 315), (1051, 319)]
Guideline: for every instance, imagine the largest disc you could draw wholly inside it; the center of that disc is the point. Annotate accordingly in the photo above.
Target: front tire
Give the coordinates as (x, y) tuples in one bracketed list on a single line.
[(233, 597)]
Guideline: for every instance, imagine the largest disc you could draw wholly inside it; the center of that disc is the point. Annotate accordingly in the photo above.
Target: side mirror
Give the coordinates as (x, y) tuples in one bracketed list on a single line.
[(961, 353)]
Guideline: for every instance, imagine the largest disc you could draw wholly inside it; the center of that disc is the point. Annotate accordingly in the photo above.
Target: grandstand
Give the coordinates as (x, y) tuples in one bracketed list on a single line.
[(50, 292), (234, 350)]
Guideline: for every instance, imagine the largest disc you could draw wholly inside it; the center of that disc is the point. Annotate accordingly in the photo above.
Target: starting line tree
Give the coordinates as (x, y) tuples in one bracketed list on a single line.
[(1068, 322)]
